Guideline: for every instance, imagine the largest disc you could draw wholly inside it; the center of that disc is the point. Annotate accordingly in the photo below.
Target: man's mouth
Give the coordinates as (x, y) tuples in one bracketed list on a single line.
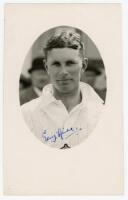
[(63, 80)]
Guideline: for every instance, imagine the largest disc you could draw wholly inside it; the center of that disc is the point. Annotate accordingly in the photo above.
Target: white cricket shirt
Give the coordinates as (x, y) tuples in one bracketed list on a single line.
[(50, 121)]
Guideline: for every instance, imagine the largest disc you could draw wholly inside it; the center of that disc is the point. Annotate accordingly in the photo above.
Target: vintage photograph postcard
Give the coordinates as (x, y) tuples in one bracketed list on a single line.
[(63, 100)]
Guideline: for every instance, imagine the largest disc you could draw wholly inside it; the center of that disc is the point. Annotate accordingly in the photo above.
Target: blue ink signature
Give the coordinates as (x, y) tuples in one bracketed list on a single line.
[(60, 133)]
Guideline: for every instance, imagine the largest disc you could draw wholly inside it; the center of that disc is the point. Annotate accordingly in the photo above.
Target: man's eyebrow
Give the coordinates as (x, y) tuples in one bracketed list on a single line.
[(55, 62), (71, 61)]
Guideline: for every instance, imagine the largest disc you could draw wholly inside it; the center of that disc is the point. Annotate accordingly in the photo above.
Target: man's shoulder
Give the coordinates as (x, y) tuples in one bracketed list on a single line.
[(31, 105), (41, 101), (90, 93), (86, 87)]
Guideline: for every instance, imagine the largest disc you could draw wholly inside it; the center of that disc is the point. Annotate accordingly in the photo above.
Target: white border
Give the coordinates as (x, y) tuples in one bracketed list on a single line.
[(125, 73), (125, 84), (62, 1), (1, 93)]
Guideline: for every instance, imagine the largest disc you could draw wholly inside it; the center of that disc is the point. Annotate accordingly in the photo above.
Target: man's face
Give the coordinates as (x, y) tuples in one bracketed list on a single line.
[(39, 78), (64, 67)]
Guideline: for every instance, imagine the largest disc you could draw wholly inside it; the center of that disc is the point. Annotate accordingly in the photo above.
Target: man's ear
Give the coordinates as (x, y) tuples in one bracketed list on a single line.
[(85, 64)]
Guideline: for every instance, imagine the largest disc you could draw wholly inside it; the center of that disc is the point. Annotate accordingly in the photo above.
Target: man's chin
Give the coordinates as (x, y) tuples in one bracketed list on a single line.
[(65, 90)]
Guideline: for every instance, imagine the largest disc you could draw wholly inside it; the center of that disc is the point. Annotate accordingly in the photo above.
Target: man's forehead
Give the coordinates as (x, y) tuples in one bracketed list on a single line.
[(63, 53)]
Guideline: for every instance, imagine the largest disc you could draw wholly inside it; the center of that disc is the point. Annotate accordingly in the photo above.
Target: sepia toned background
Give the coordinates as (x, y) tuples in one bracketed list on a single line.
[(94, 75), (96, 166)]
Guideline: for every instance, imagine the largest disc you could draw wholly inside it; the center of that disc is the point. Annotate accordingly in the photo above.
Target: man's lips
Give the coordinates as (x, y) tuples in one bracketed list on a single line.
[(64, 79)]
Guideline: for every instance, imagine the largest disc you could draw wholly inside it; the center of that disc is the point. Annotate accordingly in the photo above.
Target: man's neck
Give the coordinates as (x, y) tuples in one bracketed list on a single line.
[(70, 100)]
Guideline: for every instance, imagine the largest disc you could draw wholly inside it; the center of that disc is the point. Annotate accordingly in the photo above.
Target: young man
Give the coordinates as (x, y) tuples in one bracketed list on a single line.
[(68, 109)]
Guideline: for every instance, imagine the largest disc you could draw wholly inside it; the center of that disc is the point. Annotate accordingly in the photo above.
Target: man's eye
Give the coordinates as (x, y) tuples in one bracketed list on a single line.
[(57, 64), (68, 63)]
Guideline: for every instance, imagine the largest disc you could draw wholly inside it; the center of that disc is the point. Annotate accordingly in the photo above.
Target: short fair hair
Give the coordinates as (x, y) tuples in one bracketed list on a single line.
[(65, 39)]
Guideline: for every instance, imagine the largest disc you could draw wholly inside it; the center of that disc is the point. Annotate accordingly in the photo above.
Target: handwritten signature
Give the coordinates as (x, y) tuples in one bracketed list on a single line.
[(60, 134)]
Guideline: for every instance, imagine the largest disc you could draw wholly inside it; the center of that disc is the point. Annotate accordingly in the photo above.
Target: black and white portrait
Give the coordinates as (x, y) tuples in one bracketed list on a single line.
[(63, 99), (62, 87)]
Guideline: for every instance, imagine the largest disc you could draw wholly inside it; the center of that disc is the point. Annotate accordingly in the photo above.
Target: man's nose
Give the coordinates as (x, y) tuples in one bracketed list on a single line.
[(64, 70)]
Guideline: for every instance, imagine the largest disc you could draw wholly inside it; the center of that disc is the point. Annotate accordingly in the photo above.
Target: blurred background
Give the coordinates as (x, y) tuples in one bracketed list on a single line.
[(34, 76)]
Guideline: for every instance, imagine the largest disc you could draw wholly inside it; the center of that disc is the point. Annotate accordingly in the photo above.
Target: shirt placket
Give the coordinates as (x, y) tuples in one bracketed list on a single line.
[(71, 127)]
